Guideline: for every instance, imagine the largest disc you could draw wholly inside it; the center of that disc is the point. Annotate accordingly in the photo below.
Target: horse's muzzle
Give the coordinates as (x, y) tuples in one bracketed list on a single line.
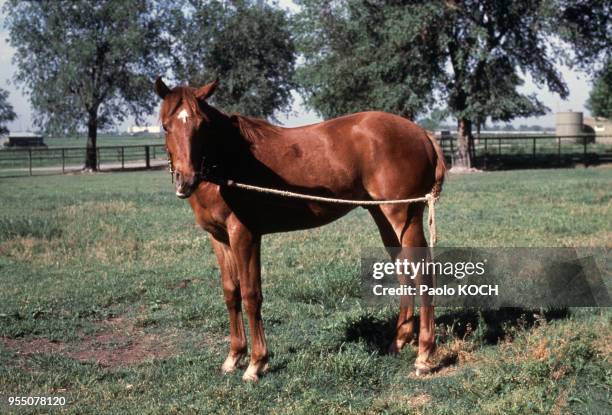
[(184, 184)]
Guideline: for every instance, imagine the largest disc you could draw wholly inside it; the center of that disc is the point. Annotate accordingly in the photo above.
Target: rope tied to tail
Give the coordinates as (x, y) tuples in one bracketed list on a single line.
[(431, 219), (429, 198)]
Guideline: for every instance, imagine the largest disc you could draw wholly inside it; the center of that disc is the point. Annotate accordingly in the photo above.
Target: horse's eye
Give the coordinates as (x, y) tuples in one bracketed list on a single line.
[(165, 127)]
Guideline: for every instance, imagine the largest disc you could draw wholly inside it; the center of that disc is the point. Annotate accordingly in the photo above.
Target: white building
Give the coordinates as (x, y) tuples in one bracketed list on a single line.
[(143, 129)]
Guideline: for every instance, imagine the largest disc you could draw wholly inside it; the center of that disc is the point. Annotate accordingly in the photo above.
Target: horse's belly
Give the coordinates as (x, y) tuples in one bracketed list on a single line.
[(296, 216)]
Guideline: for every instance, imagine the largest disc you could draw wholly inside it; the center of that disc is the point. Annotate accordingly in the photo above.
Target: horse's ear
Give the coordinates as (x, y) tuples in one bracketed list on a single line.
[(161, 88), (207, 90)]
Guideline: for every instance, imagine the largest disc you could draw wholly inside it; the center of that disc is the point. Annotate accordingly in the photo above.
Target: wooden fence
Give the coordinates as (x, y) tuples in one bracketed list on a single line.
[(488, 151), (53, 160), (491, 151)]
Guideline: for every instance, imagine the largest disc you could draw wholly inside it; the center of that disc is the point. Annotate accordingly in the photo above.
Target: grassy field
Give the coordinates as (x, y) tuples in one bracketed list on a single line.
[(111, 298)]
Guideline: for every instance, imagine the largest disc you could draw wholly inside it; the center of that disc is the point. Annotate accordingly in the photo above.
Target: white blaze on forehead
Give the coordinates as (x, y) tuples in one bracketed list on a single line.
[(183, 115)]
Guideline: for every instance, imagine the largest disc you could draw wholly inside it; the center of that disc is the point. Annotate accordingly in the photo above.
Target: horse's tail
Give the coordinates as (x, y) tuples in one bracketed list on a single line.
[(440, 165)]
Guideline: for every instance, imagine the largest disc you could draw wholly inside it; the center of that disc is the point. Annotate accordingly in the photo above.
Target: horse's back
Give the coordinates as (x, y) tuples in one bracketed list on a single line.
[(389, 155)]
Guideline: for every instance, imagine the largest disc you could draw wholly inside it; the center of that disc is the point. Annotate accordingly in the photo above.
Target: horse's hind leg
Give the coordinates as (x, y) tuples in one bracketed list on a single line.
[(403, 226), (404, 327)]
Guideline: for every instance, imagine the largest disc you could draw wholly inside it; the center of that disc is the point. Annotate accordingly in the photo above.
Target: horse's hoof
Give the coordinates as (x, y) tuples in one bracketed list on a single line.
[(250, 377), (228, 368), (231, 363), (394, 348), (252, 373), (422, 369)]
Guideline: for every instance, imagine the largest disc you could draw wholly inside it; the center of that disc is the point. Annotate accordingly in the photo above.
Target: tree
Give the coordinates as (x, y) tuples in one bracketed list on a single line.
[(367, 55), (600, 98), (586, 25), (87, 63), (246, 44), (6, 112), (486, 42), (434, 119), (470, 54)]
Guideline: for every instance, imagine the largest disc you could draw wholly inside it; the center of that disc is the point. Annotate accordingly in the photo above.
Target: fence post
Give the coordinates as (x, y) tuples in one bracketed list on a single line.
[(147, 157), (534, 148), (98, 157), (30, 159), (122, 158), (559, 149), (584, 140), (499, 146), (486, 151), (63, 160)]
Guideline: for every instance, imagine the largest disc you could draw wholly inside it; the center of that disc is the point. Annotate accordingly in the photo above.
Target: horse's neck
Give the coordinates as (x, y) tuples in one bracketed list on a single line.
[(243, 146)]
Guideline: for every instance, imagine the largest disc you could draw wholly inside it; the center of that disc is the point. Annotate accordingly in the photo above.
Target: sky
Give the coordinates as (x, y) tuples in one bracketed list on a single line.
[(578, 84)]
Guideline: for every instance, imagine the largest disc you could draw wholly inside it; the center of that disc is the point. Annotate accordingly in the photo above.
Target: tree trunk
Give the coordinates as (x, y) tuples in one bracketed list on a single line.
[(462, 158), (91, 159)]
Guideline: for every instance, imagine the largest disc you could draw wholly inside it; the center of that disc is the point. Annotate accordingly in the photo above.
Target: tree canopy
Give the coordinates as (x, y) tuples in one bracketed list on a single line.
[(246, 44), (361, 55), (408, 57), (6, 112), (87, 63), (586, 25), (600, 98)]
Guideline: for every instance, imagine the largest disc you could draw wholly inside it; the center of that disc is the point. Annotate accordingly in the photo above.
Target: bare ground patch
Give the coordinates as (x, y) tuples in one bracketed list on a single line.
[(398, 396), (120, 343), (449, 357)]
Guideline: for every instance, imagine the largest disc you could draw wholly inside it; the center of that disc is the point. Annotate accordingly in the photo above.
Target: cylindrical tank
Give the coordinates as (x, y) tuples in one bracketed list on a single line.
[(569, 123)]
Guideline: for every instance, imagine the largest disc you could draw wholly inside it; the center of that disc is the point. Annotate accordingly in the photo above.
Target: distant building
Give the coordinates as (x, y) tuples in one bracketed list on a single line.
[(150, 129), (25, 139), (601, 127), (570, 124)]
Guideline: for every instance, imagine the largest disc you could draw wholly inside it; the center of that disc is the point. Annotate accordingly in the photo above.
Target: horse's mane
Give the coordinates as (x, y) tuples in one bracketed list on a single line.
[(255, 129), (252, 129)]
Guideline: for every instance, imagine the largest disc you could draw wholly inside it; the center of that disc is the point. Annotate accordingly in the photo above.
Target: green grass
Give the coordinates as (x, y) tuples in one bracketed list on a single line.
[(112, 263)]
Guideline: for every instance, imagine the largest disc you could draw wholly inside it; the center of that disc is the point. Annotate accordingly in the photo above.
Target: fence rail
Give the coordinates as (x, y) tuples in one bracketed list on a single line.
[(489, 151), (37, 161)]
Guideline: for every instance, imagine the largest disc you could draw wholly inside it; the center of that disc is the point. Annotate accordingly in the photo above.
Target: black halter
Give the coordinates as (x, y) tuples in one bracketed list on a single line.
[(206, 173)]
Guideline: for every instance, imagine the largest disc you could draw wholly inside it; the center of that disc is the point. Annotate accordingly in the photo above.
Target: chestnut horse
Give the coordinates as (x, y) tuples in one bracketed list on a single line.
[(369, 155)]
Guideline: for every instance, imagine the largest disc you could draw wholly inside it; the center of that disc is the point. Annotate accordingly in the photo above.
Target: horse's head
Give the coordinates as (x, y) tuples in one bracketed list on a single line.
[(183, 116)]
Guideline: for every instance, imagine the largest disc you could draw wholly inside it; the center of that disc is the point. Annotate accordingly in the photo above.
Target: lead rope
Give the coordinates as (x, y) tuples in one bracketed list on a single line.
[(429, 198)]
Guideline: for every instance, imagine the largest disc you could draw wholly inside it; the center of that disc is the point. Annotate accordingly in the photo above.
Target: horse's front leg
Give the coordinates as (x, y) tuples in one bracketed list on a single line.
[(246, 248), (231, 293)]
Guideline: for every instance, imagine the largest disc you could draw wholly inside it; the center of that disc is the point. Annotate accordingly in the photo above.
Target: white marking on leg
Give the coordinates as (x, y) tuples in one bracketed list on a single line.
[(183, 115)]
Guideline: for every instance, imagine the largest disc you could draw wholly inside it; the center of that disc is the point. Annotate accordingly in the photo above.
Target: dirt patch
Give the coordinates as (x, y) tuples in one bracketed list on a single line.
[(450, 356), (603, 345), (29, 347), (120, 343), (541, 351), (419, 400), (173, 285), (401, 399)]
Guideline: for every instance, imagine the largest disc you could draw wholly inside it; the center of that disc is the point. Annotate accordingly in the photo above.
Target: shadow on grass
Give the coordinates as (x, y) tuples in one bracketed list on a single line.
[(486, 327)]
